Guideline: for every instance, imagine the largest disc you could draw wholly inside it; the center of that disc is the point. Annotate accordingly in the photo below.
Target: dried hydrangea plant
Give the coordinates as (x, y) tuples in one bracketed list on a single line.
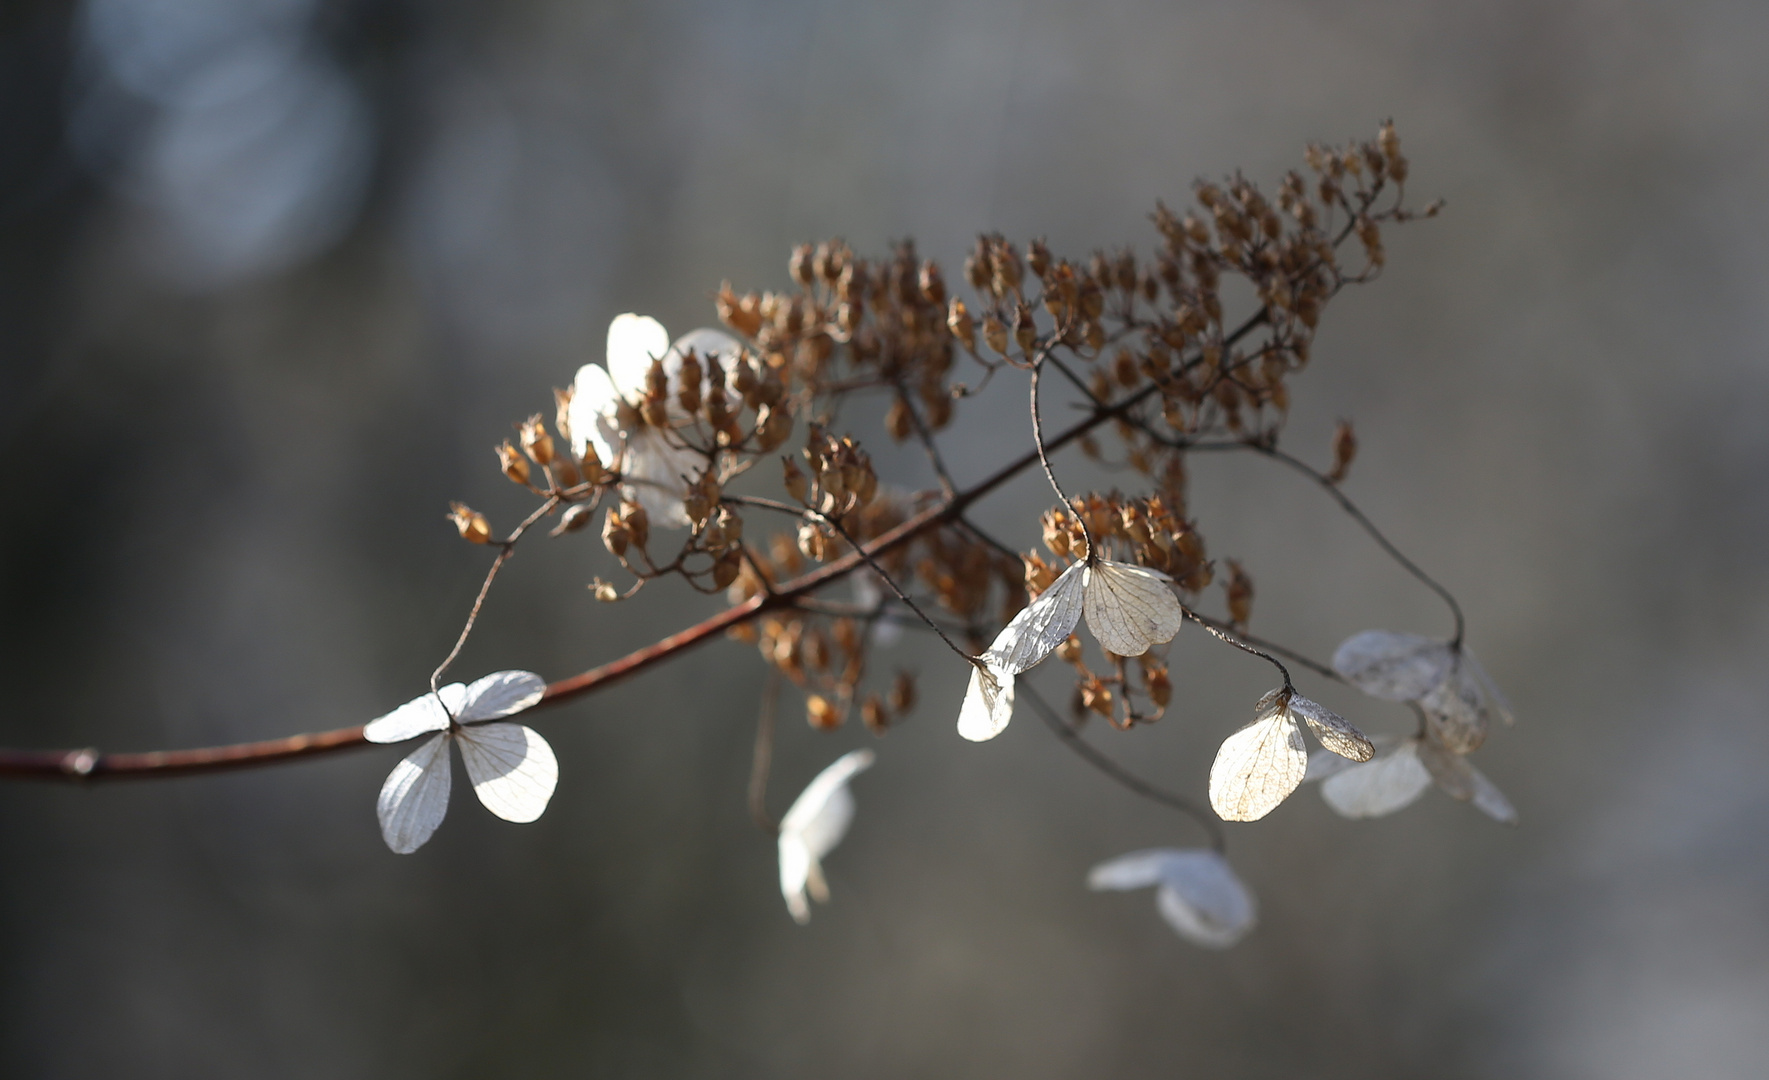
[(717, 458)]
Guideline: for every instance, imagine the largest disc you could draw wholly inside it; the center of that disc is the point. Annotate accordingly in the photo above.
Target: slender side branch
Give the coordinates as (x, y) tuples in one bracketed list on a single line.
[(1130, 781), (1216, 630)]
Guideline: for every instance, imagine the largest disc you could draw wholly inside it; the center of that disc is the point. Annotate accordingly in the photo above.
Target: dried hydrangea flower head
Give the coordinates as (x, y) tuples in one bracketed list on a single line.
[(813, 825), (1260, 765), (512, 768), (1394, 780), (1445, 680), (1196, 891)]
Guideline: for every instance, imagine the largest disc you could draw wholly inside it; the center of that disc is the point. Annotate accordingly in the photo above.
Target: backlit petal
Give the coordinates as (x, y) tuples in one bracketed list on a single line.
[(594, 413), (501, 694), (512, 768), (633, 342), (1334, 732), (988, 705), (1392, 666), (1198, 893), (415, 797), (1257, 768), (416, 717), (1378, 787), (1130, 607), (1042, 625)]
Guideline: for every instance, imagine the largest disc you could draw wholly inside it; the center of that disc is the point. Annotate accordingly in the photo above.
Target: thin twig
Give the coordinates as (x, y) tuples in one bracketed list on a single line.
[(1216, 630), (1130, 781)]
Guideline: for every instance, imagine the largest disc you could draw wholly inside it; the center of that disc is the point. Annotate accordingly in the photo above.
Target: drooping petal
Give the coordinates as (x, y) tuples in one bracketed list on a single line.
[(1334, 732), (813, 825), (512, 768), (1463, 782), (500, 694), (415, 797), (1489, 800), (1042, 625), (1130, 607), (1198, 893), (1257, 768), (1378, 787), (1455, 710), (416, 717), (594, 414), (1392, 666), (820, 815), (988, 704), (633, 342), (1495, 698)]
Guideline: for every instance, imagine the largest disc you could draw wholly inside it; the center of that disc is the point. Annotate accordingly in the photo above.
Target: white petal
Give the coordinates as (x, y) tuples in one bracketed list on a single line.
[(819, 817), (988, 705), (1042, 625), (1257, 768), (1199, 894), (1334, 732), (1391, 666), (512, 768), (1495, 697), (633, 342), (656, 470), (1489, 800), (594, 413), (414, 718), (415, 797), (1455, 710), (1130, 607), (501, 694), (795, 871), (1379, 787)]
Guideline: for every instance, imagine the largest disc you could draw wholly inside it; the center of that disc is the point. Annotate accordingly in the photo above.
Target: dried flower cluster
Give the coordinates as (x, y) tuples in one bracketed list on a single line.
[(721, 457)]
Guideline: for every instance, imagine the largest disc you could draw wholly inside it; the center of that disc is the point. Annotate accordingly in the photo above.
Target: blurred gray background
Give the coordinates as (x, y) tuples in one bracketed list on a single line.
[(277, 274)]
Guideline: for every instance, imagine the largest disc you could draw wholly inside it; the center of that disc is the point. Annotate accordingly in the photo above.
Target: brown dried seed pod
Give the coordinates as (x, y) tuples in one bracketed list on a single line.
[(821, 713), (473, 526), (514, 465)]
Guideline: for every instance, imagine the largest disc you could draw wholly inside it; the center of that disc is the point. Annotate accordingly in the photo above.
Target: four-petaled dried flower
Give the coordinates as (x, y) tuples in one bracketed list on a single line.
[(813, 825), (608, 407), (1196, 891), (1449, 685), (512, 768), (1128, 608), (1260, 765)]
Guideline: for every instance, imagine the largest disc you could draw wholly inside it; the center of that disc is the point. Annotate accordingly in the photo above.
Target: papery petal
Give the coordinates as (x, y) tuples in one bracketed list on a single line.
[(1333, 730), (1325, 763), (1199, 894), (654, 470), (988, 705), (416, 717), (1257, 768), (594, 414), (415, 797), (795, 871), (820, 816), (512, 768), (1393, 666), (1379, 787), (633, 342), (1495, 698), (1042, 625), (1455, 710), (1489, 800), (500, 694), (1130, 607)]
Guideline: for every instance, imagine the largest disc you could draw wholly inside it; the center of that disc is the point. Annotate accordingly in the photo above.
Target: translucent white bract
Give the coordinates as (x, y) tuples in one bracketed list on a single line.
[(988, 704), (512, 768), (1042, 625), (1393, 666), (1334, 731), (1378, 787), (1130, 608), (813, 825), (1257, 768), (1197, 892), (1463, 782)]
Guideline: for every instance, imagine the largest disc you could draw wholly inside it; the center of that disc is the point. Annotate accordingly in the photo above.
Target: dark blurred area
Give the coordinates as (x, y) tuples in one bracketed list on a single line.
[(276, 274)]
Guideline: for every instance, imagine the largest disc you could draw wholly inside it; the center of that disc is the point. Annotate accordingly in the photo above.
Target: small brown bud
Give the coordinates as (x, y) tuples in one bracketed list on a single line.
[(741, 314), (1344, 450), (1239, 587), (1025, 329), (637, 521), (898, 421), (562, 411), (995, 334), (513, 464), (902, 697), (821, 714), (799, 265), (872, 711), (812, 542), (1160, 686), (688, 383), (1038, 258), (795, 480), (933, 287), (773, 427), (536, 441), (573, 519), (726, 569), (960, 323), (614, 533), (473, 526), (605, 591)]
